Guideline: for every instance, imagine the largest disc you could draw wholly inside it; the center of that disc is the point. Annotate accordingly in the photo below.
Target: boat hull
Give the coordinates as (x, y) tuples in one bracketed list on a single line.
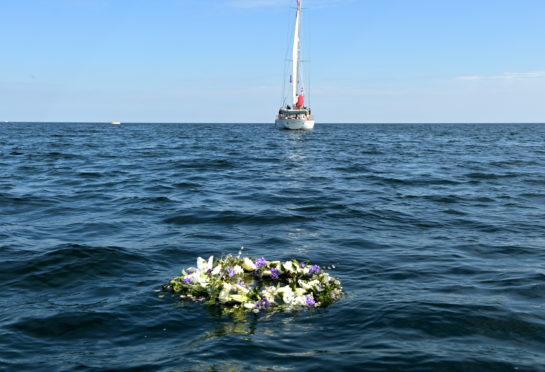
[(295, 124)]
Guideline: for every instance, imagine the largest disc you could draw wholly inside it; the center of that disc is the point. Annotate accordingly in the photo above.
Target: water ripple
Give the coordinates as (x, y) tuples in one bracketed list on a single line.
[(435, 230)]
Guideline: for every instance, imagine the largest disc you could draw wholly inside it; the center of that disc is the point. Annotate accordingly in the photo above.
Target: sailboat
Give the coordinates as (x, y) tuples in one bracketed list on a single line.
[(296, 116)]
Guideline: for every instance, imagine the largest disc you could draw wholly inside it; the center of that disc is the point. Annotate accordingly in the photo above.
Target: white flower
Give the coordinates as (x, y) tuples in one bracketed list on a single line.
[(269, 293), (203, 265), (315, 284), (224, 293), (287, 294), (249, 305), (304, 284), (299, 301), (288, 297), (238, 269), (248, 264), (284, 289), (216, 270), (241, 289), (238, 298), (288, 266), (300, 291), (198, 278)]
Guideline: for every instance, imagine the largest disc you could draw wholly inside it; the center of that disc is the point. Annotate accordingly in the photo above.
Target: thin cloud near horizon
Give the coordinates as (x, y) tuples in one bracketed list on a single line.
[(505, 76)]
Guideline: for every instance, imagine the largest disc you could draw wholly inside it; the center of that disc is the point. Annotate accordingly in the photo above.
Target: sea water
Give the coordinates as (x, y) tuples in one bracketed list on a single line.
[(437, 233)]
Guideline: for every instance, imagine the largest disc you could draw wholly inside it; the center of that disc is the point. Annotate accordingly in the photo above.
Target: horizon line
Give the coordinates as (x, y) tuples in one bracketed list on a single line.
[(268, 123)]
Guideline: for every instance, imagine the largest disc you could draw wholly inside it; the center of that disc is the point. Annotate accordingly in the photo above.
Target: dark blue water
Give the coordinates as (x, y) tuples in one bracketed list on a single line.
[(437, 233)]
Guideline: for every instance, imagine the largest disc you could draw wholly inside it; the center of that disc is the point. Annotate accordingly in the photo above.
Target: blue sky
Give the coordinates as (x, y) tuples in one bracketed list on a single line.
[(223, 60)]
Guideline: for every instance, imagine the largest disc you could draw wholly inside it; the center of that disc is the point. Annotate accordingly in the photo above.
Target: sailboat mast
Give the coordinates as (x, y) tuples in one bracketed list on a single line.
[(296, 52)]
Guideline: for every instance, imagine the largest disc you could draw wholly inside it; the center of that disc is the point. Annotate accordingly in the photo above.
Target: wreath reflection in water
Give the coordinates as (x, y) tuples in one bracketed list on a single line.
[(237, 283)]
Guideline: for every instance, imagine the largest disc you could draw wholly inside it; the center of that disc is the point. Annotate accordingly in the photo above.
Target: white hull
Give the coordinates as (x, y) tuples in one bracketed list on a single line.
[(294, 124)]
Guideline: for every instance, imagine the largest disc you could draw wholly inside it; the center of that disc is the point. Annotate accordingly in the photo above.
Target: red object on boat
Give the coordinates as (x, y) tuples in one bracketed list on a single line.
[(300, 101)]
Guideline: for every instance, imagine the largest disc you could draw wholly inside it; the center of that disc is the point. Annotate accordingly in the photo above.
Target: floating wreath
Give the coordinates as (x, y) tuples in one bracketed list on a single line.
[(238, 283)]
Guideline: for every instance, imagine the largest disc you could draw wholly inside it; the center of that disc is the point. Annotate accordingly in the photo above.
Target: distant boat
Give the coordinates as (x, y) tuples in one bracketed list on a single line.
[(115, 122), (296, 116)]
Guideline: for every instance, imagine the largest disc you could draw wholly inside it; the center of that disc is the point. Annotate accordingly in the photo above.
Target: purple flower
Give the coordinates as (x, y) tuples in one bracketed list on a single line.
[(188, 279), (263, 303), (260, 262), (314, 269), (303, 265), (275, 273), (310, 301), (231, 272)]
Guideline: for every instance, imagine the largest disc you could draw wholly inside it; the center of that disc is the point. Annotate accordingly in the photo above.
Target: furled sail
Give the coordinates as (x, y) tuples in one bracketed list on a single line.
[(295, 66)]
